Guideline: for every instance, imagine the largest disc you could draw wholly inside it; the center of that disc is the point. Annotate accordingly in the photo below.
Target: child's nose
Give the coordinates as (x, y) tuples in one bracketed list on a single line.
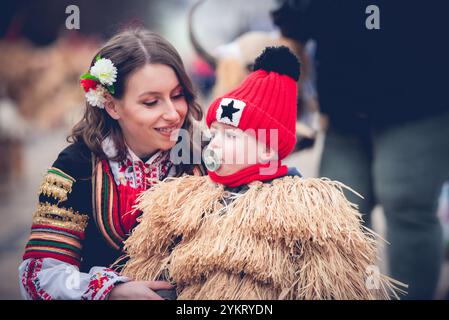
[(215, 142)]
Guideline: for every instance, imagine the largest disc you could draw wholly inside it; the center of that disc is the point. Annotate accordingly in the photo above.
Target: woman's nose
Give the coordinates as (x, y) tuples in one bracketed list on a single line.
[(171, 113)]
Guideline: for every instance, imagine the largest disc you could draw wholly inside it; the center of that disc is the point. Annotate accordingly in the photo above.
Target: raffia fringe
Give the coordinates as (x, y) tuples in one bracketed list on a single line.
[(292, 239)]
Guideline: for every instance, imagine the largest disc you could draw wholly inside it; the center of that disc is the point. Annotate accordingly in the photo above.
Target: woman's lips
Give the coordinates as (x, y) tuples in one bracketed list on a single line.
[(167, 131)]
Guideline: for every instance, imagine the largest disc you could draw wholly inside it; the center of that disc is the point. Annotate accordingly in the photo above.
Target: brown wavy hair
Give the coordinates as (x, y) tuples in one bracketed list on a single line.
[(130, 50)]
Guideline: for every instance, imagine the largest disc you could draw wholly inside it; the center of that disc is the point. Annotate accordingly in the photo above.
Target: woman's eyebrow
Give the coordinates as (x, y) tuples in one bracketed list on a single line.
[(178, 86), (157, 92), (149, 93)]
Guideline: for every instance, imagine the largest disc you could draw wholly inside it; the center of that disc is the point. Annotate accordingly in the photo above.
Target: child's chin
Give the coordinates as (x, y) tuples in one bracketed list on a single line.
[(226, 170)]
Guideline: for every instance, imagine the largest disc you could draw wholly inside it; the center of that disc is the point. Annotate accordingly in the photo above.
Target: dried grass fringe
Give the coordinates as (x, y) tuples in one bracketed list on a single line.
[(292, 239)]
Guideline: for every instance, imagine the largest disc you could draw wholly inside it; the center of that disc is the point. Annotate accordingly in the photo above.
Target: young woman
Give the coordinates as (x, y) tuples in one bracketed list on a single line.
[(138, 98)]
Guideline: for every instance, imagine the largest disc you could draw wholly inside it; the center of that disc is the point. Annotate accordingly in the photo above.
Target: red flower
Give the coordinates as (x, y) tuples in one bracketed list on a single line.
[(88, 84)]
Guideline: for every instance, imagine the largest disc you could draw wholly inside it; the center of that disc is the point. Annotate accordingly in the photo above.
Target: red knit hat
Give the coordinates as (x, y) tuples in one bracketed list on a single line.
[(267, 99)]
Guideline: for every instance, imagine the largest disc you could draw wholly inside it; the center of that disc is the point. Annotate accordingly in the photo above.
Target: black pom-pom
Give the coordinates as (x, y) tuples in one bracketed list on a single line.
[(280, 60)]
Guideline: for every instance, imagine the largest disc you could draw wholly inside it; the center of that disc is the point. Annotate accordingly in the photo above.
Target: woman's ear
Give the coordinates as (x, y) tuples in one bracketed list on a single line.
[(111, 107)]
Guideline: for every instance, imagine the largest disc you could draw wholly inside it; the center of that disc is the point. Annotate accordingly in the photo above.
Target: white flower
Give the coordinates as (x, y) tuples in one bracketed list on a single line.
[(96, 98), (105, 71)]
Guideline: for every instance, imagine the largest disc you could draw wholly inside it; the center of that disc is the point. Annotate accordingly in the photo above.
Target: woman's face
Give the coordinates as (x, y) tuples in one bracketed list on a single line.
[(152, 110)]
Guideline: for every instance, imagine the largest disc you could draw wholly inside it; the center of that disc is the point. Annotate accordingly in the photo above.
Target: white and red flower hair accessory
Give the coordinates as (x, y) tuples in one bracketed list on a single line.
[(99, 80)]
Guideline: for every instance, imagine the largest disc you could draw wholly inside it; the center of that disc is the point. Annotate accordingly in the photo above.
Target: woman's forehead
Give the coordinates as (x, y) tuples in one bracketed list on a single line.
[(153, 79)]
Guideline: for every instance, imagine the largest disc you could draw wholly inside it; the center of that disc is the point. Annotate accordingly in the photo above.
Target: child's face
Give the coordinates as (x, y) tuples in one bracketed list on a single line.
[(239, 149)]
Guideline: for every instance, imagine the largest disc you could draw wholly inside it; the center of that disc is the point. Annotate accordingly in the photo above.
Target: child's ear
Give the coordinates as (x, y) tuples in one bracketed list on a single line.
[(111, 107)]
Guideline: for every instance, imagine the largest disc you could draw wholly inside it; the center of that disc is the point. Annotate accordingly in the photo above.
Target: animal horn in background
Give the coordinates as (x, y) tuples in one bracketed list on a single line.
[(196, 45)]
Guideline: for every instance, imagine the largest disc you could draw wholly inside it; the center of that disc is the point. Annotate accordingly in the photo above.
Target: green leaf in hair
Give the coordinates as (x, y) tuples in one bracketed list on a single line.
[(111, 89), (89, 76)]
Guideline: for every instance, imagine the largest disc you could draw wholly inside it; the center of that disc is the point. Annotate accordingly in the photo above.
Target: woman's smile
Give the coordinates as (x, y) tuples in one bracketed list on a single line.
[(169, 130)]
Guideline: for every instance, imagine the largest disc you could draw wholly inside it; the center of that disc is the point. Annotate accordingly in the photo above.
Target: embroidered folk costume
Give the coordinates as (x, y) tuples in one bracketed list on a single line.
[(253, 236), (84, 211)]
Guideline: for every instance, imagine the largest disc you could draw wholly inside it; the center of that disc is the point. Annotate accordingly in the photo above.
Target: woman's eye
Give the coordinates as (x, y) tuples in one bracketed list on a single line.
[(150, 103), (178, 96)]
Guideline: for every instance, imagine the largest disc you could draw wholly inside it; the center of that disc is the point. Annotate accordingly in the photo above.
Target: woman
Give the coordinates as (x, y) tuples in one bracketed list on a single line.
[(138, 98)]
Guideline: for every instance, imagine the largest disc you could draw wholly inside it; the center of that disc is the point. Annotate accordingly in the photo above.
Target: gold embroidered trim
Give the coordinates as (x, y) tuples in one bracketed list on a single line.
[(49, 214), (53, 191), (56, 186)]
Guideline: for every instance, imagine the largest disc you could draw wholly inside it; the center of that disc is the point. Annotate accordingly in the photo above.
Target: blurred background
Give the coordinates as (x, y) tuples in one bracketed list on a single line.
[(40, 97)]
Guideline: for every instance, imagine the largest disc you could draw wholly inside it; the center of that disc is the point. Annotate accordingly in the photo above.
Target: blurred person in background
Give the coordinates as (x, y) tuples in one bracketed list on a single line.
[(383, 73)]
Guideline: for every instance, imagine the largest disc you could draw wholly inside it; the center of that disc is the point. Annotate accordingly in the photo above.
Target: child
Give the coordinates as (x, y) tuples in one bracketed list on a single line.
[(255, 229)]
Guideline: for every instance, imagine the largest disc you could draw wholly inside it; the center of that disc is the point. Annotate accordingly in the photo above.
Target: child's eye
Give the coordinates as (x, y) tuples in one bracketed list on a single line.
[(230, 134), (150, 103)]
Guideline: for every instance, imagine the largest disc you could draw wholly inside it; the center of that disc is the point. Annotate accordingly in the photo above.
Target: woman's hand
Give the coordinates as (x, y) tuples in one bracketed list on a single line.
[(139, 290)]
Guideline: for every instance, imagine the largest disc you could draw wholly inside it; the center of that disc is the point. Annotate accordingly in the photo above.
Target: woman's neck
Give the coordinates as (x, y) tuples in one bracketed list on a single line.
[(143, 155)]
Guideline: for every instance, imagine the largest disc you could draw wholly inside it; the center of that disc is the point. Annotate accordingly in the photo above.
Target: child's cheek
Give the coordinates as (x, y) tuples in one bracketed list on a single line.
[(229, 151)]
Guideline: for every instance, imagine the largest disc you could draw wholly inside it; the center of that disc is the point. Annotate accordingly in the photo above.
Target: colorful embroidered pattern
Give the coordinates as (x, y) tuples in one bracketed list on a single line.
[(30, 281), (56, 233), (141, 175), (52, 242), (106, 211), (54, 216), (99, 285), (56, 184), (116, 186)]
